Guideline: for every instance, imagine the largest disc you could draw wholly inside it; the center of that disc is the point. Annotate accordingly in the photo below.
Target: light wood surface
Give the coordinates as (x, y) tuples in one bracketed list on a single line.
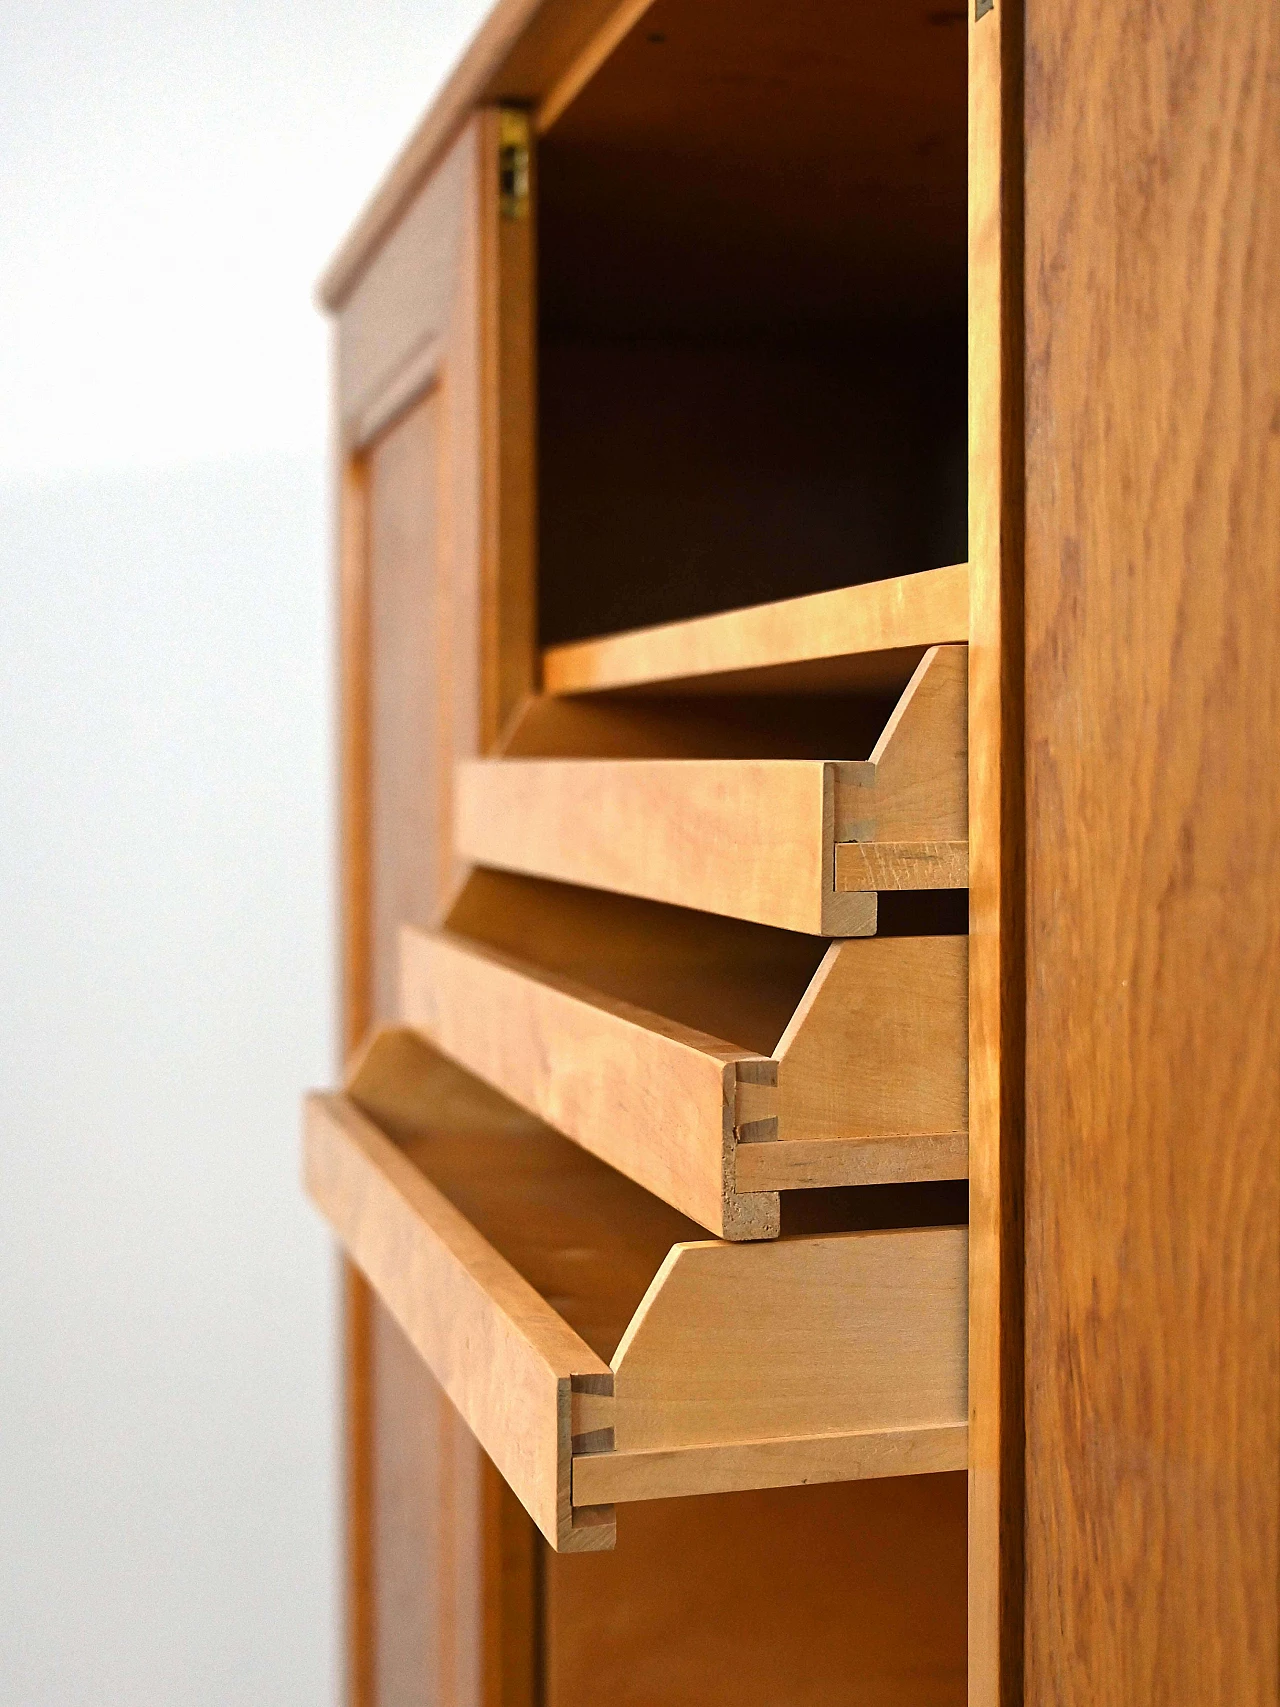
[(709, 973), (802, 1164), (750, 838), (669, 1473), (1153, 910), (869, 637), (846, 1592), (841, 1334), (901, 865), (919, 786), (649, 1095), (504, 1358), (864, 1083), (436, 1565), (997, 992), (696, 726), (411, 724), (760, 839), (393, 330), (354, 1005), (503, 1355), (879, 1042), (581, 1235), (430, 1180)]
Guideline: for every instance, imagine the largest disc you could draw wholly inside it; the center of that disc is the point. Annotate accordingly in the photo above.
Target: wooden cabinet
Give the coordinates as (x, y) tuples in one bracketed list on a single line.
[(713, 880)]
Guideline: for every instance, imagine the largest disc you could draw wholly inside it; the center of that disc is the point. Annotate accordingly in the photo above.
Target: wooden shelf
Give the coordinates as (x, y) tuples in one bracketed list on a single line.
[(598, 1349), (853, 640), (802, 844), (715, 1063)]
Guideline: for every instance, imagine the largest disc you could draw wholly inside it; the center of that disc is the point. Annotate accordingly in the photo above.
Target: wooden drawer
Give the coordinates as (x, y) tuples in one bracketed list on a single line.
[(816, 1064), (800, 843), (599, 1349)]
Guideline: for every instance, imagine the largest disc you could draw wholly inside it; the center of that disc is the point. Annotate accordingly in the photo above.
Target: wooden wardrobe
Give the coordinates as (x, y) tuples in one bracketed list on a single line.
[(809, 1152)]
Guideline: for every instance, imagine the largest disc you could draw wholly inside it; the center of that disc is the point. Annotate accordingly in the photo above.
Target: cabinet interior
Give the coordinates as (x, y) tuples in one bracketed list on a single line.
[(751, 284)]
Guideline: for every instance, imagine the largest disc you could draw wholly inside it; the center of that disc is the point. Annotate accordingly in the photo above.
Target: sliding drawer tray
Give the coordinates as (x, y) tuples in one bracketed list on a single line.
[(714, 1062), (600, 1351), (800, 843)]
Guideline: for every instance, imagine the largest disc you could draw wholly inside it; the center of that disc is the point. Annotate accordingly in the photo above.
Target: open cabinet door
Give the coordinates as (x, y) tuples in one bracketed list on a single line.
[(435, 350)]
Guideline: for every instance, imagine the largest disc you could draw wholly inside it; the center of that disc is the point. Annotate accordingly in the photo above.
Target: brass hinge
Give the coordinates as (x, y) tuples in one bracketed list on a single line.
[(513, 162)]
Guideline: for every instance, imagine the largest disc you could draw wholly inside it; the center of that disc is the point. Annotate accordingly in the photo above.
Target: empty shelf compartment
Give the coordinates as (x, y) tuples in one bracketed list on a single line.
[(717, 1063), (598, 1348)]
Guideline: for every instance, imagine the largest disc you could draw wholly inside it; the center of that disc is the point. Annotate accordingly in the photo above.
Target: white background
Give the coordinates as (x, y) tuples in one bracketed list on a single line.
[(173, 177)]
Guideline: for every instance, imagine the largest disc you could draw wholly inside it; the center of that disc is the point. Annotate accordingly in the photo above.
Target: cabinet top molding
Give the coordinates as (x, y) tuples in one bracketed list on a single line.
[(522, 52)]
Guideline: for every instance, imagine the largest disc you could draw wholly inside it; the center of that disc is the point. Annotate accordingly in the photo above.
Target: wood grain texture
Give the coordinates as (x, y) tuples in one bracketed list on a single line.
[(1153, 649), (879, 1043), (865, 1083), (709, 973), (869, 637), (411, 724), (419, 1473), (731, 1353), (649, 1095), (801, 1164), (901, 865), (751, 838), (841, 1334), (501, 1354), (996, 857), (418, 373), (696, 726), (578, 1232), (852, 1592), (658, 1473), (900, 817), (919, 788)]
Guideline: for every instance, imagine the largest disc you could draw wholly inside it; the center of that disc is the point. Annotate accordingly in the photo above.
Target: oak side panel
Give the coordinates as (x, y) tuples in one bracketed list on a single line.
[(1153, 701)]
